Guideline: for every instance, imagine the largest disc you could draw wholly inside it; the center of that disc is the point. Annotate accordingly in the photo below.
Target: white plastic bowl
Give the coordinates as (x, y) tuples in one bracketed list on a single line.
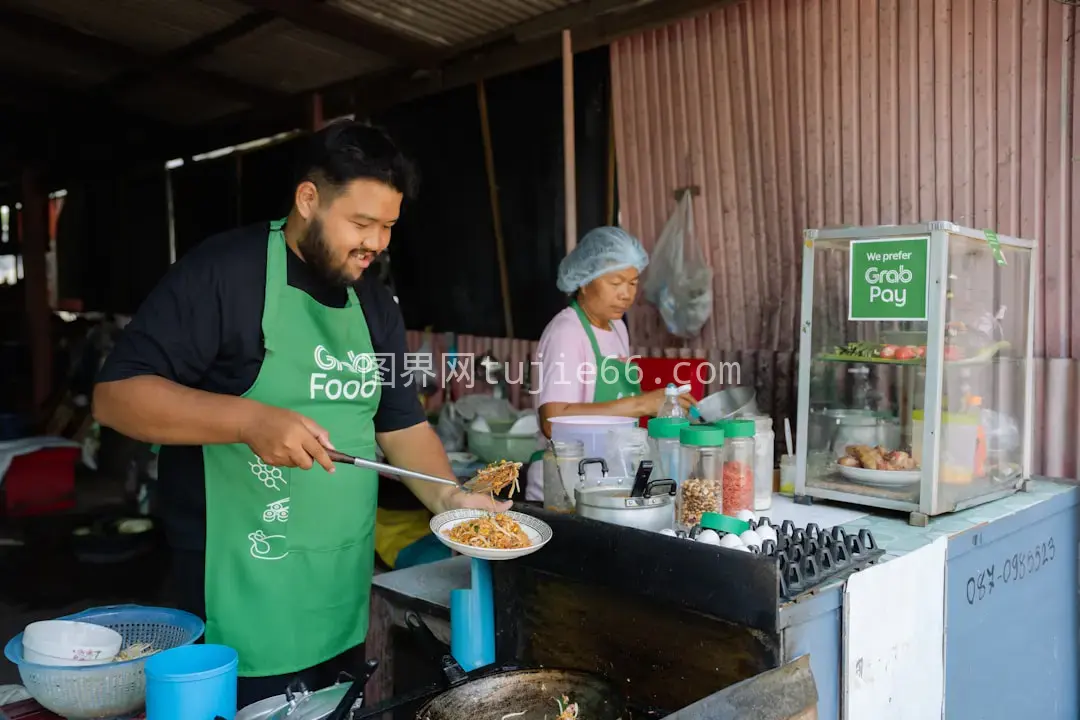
[(66, 642)]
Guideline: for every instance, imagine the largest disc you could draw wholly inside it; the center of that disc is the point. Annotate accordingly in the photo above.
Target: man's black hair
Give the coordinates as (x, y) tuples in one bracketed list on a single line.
[(345, 150)]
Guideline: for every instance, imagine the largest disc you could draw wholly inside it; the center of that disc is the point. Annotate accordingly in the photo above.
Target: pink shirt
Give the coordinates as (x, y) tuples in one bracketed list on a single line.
[(565, 348)]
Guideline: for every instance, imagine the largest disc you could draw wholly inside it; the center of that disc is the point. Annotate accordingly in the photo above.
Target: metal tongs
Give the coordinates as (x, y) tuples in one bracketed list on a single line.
[(481, 483)]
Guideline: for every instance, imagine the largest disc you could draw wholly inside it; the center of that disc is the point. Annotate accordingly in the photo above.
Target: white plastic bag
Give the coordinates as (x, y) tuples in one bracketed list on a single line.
[(678, 281), (451, 428)]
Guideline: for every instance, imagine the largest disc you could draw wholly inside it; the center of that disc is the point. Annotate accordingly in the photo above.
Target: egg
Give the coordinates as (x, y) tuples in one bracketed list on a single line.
[(767, 532), (746, 515), (668, 531), (742, 548), (750, 538), (709, 537), (732, 542)]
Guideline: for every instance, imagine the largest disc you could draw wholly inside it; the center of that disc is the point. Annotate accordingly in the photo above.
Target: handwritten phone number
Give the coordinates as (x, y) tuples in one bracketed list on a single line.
[(1013, 569)]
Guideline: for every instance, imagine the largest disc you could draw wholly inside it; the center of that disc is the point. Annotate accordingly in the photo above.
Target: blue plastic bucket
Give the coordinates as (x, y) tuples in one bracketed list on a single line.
[(196, 682)]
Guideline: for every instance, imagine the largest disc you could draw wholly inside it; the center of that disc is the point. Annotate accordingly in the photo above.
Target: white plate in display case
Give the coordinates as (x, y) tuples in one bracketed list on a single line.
[(879, 478)]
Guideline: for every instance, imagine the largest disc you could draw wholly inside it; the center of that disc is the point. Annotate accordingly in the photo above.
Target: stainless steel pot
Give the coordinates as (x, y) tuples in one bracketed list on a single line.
[(336, 701), (653, 511)]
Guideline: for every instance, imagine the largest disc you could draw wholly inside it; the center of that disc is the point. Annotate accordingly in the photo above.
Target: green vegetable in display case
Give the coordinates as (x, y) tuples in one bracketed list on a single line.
[(877, 352)]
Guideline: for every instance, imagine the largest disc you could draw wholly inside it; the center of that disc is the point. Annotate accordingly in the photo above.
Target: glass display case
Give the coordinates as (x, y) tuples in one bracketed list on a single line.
[(915, 367)]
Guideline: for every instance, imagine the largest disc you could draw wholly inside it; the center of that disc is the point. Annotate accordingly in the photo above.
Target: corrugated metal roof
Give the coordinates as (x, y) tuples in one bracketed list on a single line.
[(249, 52), (286, 58), (150, 26), (449, 22), (20, 54)]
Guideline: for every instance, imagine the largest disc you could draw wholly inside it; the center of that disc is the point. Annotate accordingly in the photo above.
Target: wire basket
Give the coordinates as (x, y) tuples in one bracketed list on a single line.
[(113, 690)]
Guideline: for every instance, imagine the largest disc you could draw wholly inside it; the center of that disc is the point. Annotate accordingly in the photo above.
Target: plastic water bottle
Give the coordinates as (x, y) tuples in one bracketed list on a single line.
[(671, 407)]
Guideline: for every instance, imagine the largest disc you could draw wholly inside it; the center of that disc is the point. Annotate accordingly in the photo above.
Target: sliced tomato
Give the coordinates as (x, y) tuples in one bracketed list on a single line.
[(888, 351), (905, 353), (920, 351)]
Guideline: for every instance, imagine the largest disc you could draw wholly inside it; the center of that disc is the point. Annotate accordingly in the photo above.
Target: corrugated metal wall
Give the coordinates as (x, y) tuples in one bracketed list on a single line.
[(808, 113)]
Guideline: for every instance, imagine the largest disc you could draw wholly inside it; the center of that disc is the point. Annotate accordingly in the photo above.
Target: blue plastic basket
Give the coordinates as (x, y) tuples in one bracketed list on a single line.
[(116, 689)]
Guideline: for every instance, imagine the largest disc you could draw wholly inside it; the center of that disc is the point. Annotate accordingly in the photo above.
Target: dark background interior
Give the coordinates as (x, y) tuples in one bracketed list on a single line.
[(112, 244)]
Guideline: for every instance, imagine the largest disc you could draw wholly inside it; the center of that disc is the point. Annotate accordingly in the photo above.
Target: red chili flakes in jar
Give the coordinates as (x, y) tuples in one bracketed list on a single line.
[(738, 487)]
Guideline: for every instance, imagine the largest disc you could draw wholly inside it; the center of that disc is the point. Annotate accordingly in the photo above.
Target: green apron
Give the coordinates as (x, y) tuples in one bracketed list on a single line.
[(613, 378), (290, 552)]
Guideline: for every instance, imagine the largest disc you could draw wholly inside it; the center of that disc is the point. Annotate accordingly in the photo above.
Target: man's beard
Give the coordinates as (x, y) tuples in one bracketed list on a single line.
[(316, 251)]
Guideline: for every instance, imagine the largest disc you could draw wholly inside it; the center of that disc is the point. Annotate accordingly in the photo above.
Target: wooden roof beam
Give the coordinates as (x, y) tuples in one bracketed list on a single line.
[(353, 29), (83, 43), (182, 57)]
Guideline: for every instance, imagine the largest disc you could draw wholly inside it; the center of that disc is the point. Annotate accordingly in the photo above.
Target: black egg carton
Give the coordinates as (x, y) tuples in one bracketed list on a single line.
[(810, 557)]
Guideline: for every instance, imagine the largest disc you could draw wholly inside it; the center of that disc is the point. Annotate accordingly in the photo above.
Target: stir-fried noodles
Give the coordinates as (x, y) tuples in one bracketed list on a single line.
[(496, 532), (496, 477)]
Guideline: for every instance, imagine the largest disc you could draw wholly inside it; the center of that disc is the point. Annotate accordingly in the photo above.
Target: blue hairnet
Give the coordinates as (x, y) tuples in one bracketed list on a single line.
[(601, 251)]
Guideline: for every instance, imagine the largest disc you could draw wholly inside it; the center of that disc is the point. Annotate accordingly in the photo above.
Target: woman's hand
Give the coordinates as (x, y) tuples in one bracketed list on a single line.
[(649, 403)]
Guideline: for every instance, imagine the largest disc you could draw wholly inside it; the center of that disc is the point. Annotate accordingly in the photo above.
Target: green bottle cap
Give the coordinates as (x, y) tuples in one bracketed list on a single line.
[(724, 523), (667, 428), (740, 428), (701, 436)]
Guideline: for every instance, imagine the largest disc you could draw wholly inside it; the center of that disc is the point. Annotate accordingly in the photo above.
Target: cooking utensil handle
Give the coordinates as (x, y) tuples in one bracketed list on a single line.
[(641, 479), (592, 461), (453, 671), (340, 457), (667, 484)]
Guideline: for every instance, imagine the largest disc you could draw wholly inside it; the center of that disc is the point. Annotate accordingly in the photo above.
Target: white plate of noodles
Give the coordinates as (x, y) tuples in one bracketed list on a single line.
[(490, 536)]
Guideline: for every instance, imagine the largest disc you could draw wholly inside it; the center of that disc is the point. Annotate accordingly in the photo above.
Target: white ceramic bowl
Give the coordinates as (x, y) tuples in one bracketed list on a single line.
[(538, 531), (66, 642)]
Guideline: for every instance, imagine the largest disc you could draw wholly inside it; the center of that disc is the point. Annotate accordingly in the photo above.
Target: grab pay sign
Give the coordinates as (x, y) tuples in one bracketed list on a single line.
[(888, 279)]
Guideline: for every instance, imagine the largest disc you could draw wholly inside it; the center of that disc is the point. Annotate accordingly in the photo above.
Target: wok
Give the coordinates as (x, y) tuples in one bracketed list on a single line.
[(488, 694), (531, 692)]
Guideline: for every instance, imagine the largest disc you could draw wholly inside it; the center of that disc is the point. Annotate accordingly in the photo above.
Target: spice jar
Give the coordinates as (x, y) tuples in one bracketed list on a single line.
[(701, 488), (664, 444), (764, 461), (561, 461), (739, 466)]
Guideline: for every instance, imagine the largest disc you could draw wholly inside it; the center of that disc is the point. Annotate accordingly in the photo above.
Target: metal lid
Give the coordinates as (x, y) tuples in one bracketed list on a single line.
[(617, 498), (667, 428), (702, 436), (311, 706)]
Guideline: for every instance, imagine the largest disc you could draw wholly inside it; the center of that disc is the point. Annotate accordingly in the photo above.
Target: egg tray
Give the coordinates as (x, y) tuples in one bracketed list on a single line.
[(811, 557)]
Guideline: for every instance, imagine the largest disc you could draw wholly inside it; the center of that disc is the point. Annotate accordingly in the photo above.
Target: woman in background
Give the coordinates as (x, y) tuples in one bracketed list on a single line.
[(584, 353)]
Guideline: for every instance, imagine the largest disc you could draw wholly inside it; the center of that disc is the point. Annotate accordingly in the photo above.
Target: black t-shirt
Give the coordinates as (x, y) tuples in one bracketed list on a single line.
[(202, 327)]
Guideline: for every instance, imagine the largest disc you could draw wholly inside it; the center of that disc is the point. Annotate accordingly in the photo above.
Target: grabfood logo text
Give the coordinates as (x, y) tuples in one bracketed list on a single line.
[(899, 275), (324, 384)]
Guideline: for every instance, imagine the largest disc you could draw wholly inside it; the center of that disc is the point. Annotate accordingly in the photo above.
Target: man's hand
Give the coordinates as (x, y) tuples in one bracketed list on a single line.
[(459, 499), (283, 438)]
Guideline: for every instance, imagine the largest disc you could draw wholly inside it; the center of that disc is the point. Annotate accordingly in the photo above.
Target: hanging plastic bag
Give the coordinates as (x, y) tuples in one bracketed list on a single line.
[(451, 428), (679, 282)]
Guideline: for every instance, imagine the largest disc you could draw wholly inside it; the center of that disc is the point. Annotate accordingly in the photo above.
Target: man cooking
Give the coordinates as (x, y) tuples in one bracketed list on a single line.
[(259, 350)]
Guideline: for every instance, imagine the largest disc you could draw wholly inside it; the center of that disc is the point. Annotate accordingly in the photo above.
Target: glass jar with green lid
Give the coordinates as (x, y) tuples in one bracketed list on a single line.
[(738, 474), (701, 465), (664, 445)]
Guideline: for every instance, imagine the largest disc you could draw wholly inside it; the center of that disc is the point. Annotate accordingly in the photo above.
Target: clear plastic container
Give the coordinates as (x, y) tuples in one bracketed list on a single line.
[(764, 461), (739, 466), (561, 461), (626, 448), (664, 444), (671, 408), (787, 475), (701, 488)]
